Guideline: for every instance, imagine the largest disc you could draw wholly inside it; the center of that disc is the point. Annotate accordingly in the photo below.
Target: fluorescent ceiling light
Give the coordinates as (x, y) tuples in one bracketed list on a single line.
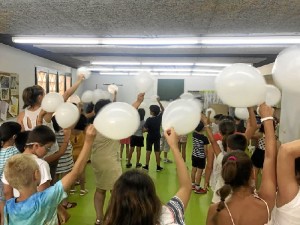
[(173, 69), (113, 73), (213, 64), (174, 74), (55, 40), (149, 41), (117, 63), (166, 64), (100, 69), (206, 70), (132, 69), (205, 74)]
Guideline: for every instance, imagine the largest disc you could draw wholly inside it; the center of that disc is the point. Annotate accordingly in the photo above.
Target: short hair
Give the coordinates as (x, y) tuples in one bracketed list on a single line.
[(218, 116), (31, 94), (237, 142), (19, 170), (21, 140), (142, 113), (199, 127), (155, 109), (42, 135), (100, 104), (8, 130)]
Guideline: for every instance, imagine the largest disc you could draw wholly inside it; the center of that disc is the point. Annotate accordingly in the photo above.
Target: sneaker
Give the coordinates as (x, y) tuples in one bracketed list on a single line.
[(83, 192), (159, 168), (193, 186), (145, 167), (72, 191), (200, 191), (138, 165), (128, 165), (167, 161)]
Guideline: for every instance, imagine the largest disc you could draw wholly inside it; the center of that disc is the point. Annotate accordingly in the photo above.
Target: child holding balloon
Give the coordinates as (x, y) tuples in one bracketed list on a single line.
[(152, 126)]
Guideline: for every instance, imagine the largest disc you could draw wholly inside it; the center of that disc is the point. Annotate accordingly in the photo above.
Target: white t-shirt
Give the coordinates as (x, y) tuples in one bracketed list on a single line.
[(44, 170), (217, 168), (288, 214)]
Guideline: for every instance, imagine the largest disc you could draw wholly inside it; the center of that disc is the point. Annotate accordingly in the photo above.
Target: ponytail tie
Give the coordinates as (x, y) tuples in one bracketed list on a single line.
[(232, 158)]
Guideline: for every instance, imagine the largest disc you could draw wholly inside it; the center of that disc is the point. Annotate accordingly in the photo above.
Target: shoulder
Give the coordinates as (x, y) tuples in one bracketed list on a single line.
[(173, 212)]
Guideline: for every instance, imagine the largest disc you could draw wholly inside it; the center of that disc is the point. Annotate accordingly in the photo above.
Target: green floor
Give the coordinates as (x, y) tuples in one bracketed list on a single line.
[(166, 186)]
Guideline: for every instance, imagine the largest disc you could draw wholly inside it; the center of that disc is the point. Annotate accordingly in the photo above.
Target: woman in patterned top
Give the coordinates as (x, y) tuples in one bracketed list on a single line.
[(134, 200)]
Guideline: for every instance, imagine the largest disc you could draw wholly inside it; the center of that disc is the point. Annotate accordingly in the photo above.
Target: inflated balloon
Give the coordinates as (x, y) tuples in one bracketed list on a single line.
[(241, 113), (154, 98), (84, 71), (112, 88), (143, 105), (286, 69), (51, 101), (66, 115), (117, 120), (182, 115), (144, 81), (187, 95), (273, 95), (74, 99), (97, 95), (106, 95), (241, 85), (212, 112), (87, 96)]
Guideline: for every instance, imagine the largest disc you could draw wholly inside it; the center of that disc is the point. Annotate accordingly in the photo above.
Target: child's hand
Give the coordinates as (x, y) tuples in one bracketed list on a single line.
[(171, 137), (140, 97), (204, 119), (90, 132), (158, 98), (81, 77), (265, 110)]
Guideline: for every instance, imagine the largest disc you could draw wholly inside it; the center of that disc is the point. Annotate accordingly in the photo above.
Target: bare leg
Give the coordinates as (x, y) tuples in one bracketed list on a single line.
[(121, 150), (183, 150), (130, 154), (138, 154), (193, 173), (157, 156), (99, 199), (148, 154), (127, 150), (198, 176)]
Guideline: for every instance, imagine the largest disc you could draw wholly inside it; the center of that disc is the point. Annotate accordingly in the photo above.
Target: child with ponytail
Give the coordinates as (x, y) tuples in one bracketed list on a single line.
[(244, 206)]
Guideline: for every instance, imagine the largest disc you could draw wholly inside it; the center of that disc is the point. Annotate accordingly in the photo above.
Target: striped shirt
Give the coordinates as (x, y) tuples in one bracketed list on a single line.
[(199, 141), (5, 154), (172, 213)]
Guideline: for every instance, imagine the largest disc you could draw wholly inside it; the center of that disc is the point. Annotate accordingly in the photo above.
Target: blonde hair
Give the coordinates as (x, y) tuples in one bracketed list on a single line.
[(19, 171)]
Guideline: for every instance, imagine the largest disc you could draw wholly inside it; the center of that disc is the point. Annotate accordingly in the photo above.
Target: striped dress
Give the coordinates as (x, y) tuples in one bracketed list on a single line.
[(65, 162)]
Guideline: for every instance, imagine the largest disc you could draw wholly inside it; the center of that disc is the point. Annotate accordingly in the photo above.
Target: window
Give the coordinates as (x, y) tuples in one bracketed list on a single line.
[(52, 81)]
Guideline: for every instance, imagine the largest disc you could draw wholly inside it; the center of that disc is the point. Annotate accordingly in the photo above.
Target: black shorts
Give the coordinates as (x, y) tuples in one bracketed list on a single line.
[(155, 142), (198, 162), (137, 141), (258, 158)]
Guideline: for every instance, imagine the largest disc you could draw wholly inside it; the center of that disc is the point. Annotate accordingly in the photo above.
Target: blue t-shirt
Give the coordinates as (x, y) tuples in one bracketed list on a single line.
[(40, 208)]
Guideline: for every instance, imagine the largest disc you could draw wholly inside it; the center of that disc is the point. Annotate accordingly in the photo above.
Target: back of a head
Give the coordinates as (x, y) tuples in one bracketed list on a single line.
[(9, 130), (142, 113), (133, 200), (31, 94), (200, 127), (42, 135), (237, 142), (19, 171), (21, 140), (236, 172), (81, 123), (297, 169), (100, 104), (218, 117), (226, 128), (154, 109)]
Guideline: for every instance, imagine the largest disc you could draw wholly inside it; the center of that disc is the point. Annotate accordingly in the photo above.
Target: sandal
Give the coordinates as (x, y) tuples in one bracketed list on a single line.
[(83, 192), (70, 205), (72, 191)]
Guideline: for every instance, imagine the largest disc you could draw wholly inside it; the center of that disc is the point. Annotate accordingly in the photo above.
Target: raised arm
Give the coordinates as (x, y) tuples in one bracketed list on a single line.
[(74, 87), (160, 105), (185, 187), (288, 186), (115, 96), (139, 100), (251, 125), (83, 157), (268, 183)]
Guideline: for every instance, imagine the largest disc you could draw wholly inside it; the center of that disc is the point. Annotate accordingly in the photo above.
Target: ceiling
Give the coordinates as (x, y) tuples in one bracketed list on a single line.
[(150, 19)]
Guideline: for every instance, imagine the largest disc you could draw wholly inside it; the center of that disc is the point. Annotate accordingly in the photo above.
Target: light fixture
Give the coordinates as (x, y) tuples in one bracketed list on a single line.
[(113, 73), (100, 69), (116, 63), (166, 64), (174, 74), (172, 69), (150, 41), (213, 64), (206, 70), (205, 74), (131, 69), (56, 40)]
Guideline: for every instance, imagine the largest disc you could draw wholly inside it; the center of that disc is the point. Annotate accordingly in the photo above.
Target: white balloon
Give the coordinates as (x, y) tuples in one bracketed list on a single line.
[(187, 95), (87, 96), (112, 88), (241, 85), (182, 115), (66, 115), (51, 101), (273, 95), (143, 105), (286, 69), (154, 98), (117, 120), (241, 113), (212, 114), (106, 95), (144, 81), (84, 71), (74, 99), (97, 95)]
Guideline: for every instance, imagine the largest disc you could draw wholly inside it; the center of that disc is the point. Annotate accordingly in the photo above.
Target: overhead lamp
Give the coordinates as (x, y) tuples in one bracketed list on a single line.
[(131, 69), (172, 69), (116, 63), (206, 70), (213, 64), (100, 69), (174, 74), (205, 74), (113, 73), (150, 41), (166, 64), (56, 40)]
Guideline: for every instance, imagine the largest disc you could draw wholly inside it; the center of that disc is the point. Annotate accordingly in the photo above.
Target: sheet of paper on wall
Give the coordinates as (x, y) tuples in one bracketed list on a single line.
[(14, 85), (13, 107), (3, 110)]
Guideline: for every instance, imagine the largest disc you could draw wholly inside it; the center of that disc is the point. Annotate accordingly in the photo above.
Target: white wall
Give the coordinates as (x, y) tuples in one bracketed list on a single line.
[(13, 60)]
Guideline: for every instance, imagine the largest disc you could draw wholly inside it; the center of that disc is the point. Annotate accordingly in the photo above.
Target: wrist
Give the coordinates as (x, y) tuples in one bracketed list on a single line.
[(266, 118)]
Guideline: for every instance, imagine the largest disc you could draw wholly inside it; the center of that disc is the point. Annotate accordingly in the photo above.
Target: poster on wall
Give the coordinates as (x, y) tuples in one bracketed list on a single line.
[(9, 96)]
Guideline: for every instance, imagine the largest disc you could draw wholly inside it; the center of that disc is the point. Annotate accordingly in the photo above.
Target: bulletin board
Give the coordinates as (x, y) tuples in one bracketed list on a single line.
[(9, 95)]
